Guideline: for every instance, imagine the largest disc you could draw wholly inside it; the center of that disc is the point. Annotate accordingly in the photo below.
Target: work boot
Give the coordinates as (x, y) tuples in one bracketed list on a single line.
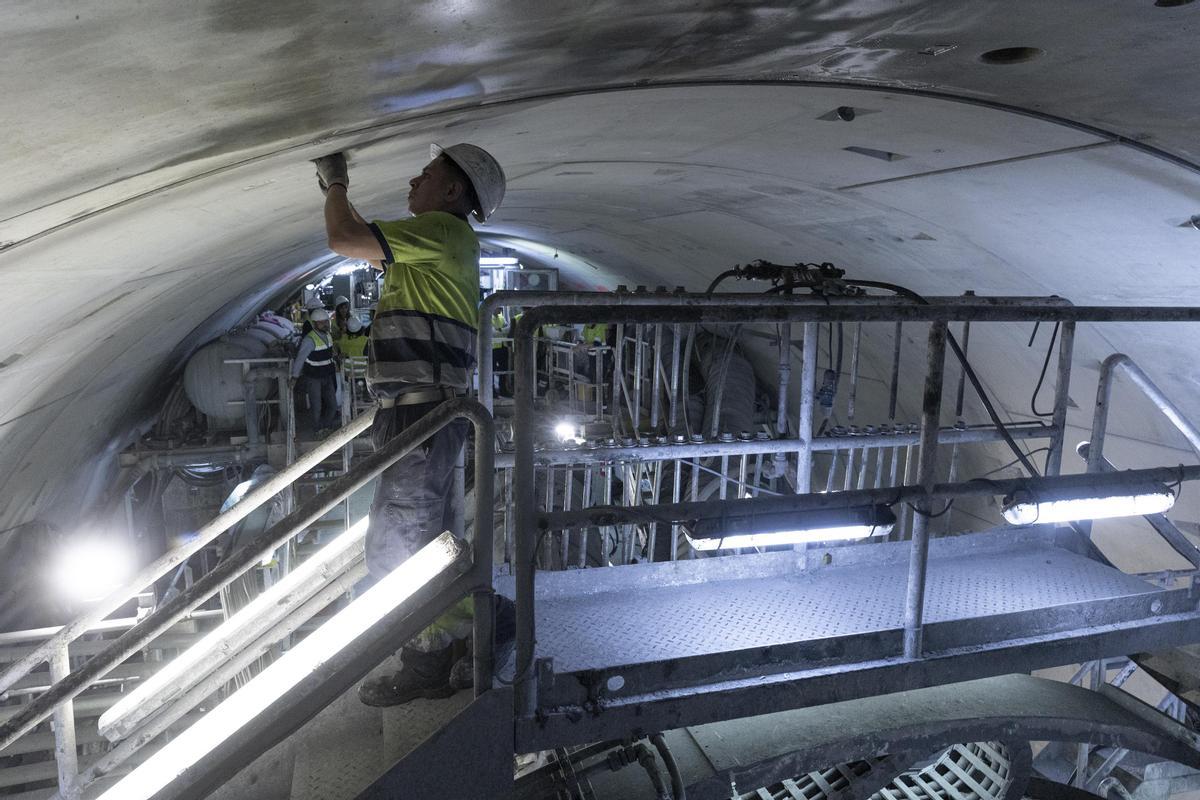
[(421, 676)]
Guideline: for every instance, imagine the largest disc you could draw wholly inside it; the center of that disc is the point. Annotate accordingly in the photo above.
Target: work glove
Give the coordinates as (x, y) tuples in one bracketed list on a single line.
[(332, 169)]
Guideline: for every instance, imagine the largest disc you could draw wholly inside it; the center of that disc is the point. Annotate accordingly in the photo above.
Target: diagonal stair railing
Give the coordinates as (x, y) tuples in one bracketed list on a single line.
[(232, 646)]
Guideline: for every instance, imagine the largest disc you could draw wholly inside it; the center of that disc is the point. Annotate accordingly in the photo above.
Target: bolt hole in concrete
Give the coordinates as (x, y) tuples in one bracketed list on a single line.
[(1010, 55)]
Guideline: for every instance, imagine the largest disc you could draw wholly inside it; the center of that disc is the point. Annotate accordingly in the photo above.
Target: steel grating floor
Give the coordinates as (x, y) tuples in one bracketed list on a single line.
[(657, 621)]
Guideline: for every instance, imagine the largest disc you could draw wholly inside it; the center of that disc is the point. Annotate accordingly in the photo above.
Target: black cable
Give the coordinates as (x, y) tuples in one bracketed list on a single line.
[(729, 273), (1014, 461), (1042, 376), (967, 369), (941, 513)]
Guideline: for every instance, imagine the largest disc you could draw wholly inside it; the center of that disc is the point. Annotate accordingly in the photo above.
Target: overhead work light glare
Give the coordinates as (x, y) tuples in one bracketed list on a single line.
[(768, 530), (283, 675), (567, 431), (92, 567), (1024, 508)]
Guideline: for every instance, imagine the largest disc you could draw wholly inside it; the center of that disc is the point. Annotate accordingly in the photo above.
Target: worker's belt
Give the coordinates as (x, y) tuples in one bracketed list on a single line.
[(417, 397)]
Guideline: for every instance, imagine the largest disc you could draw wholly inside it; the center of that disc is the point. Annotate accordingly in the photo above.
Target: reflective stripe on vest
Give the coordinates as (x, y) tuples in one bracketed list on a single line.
[(320, 361), (417, 348)]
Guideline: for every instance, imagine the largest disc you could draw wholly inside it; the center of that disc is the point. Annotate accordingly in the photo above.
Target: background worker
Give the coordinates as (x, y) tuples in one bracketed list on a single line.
[(315, 373), (422, 352), (354, 341), (313, 306), (341, 315)]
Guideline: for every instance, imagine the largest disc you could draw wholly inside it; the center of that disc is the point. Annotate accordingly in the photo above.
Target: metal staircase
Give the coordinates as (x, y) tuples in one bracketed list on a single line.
[(824, 633)]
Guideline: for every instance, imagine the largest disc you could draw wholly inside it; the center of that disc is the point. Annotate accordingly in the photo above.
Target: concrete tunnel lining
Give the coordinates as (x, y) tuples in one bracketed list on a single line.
[(638, 198)]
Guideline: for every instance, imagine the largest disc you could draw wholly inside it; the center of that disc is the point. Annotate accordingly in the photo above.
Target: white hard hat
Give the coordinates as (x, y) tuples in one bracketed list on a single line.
[(341, 298), (353, 325), (315, 303), (484, 172), (318, 315)]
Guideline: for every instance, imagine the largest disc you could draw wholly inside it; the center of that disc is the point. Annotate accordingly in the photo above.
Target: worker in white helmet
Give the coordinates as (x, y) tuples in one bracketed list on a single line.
[(422, 352), (341, 315), (314, 373)]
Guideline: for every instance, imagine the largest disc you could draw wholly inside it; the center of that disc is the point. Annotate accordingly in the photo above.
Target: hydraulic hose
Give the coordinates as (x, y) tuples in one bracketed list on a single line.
[(729, 273), (660, 744)]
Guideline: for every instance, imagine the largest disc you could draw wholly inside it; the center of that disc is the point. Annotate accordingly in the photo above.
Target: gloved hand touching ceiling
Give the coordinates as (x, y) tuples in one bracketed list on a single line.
[(332, 169)]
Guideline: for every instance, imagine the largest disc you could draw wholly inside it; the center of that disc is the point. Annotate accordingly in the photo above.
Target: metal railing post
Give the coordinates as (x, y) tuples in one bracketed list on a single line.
[(66, 757), (524, 551), (918, 562), (1066, 350), (483, 542), (808, 392)]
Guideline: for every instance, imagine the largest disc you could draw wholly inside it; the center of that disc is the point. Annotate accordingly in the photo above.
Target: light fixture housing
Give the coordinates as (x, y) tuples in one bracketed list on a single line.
[(168, 683), (1083, 503), (318, 648), (749, 529)]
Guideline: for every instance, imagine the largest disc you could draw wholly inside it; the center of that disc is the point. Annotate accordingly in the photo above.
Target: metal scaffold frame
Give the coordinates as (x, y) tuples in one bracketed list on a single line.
[(575, 700), (661, 308)]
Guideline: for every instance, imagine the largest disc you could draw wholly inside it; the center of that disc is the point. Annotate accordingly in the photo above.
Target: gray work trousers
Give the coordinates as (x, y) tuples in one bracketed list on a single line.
[(415, 499), (321, 394)]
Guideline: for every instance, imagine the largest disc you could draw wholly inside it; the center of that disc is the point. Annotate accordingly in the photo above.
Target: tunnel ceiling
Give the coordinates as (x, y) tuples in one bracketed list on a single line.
[(157, 186)]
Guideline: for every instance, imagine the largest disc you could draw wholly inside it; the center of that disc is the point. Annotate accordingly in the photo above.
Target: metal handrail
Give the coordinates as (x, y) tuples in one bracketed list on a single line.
[(170, 560), (1142, 381), (245, 557), (661, 307)]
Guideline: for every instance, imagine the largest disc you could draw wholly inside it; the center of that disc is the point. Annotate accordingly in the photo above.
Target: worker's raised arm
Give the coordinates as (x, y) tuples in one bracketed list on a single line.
[(347, 233)]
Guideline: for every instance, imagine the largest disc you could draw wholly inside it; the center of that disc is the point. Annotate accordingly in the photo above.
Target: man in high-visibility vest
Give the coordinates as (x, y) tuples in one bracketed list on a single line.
[(314, 371), (422, 353)]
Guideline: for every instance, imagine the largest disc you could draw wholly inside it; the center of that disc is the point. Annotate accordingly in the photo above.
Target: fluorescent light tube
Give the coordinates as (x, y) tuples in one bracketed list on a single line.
[(497, 261), (168, 682), (766, 530), (283, 675), (1087, 504), (840, 534)]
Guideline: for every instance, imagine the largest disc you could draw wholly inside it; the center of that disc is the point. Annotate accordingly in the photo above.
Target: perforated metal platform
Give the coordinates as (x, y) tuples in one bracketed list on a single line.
[(659, 621), (659, 646)]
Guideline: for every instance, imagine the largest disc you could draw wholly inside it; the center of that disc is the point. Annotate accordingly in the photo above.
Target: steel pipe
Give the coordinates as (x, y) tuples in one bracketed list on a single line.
[(918, 561), (791, 310), (804, 425), (169, 561), (666, 452), (525, 548), (245, 557), (1142, 381), (66, 758), (1062, 388)]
